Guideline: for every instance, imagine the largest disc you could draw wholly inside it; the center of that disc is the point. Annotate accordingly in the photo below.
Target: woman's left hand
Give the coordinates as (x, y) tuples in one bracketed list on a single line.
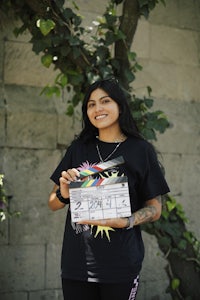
[(114, 223)]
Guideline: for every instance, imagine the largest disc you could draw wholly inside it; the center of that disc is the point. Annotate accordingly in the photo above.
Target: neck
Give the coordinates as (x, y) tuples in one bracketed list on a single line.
[(111, 137)]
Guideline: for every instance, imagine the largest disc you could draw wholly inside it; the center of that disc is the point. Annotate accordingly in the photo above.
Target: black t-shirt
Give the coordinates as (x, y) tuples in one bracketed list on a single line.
[(104, 254)]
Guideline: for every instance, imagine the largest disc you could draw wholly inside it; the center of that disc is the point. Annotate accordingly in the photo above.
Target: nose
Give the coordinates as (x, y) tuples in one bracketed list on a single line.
[(98, 107)]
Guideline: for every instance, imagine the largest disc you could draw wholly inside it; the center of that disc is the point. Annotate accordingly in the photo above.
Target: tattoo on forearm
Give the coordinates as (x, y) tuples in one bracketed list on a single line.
[(146, 214)]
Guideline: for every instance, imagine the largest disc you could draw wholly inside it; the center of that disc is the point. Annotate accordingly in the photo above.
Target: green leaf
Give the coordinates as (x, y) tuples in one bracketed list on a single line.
[(19, 30), (64, 50), (60, 3), (148, 102), (149, 134), (165, 241), (61, 80), (76, 99), (70, 110), (132, 56), (47, 60), (110, 38), (74, 41), (49, 91), (76, 52), (68, 13), (189, 236), (170, 205), (165, 214), (45, 26), (175, 283), (182, 244), (110, 18)]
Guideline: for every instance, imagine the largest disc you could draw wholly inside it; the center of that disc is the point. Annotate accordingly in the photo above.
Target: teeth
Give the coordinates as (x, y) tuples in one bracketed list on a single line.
[(100, 117)]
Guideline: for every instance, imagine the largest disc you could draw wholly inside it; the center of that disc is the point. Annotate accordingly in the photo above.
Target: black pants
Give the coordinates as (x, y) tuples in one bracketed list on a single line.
[(81, 290)]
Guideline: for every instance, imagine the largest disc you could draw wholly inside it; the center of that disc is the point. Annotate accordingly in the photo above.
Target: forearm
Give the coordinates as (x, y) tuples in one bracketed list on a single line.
[(54, 203), (150, 213)]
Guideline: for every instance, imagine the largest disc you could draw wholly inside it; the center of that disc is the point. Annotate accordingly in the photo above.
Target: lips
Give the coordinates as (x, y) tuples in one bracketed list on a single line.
[(100, 117)]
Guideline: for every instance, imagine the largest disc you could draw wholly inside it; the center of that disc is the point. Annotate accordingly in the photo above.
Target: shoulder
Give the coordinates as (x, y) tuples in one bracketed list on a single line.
[(140, 150), (140, 144), (77, 143), (78, 149)]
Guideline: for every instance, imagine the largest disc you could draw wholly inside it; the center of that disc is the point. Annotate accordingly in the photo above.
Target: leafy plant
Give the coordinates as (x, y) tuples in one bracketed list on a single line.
[(4, 204), (179, 246)]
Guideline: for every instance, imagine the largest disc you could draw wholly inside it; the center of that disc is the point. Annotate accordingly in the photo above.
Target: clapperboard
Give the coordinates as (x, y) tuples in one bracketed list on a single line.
[(100, 198)]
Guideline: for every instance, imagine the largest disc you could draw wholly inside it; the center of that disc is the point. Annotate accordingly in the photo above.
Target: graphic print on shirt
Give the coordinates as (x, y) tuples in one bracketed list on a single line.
[(100, 230)]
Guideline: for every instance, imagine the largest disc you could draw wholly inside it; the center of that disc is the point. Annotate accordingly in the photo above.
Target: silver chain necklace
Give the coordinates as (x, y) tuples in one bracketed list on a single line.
[(99, 154)]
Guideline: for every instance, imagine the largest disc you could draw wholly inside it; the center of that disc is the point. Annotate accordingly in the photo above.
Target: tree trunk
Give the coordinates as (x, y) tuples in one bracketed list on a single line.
[(128, 26)]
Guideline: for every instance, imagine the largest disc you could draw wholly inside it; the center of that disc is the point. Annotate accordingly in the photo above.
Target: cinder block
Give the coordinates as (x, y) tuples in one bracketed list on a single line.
[(23, 67), (46, 295), (68, 128), (188, 15), (153, 284), (169, 45), (4, 233), (33, 224), (141, 289), (153, 257), (8, 24), (182, 14), (26, 98), (98, 7), (14, 296), (33, 117), (156, 290), (2, 123), (172, 164), (53, 274), (188, 83), (190, 175), (161, 77), (31, 197), (2, 53), (191, 206), (24, 270), (28, 172), (167, 14), (183, 137), (33, 130), (142, 45)]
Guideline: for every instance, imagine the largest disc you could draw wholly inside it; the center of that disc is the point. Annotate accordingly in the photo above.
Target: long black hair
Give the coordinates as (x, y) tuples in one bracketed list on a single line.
[(114, 91)]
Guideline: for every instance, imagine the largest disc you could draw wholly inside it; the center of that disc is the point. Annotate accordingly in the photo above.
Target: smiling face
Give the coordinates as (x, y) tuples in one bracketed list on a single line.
[(103, 111)]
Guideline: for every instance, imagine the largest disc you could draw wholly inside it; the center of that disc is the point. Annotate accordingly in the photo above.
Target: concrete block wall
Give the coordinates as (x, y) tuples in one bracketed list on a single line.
[(34, 131)]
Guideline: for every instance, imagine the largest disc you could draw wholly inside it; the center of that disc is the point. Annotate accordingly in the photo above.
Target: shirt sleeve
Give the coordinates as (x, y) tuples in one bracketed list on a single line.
[(64, 164), (153, 183)]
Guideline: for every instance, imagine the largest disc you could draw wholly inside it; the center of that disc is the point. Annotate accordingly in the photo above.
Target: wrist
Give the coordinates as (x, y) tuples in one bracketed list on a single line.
[(61, 198), (130, 222)]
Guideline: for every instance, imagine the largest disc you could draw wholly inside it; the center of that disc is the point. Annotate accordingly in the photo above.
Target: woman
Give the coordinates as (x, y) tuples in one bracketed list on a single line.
[(102, 259)]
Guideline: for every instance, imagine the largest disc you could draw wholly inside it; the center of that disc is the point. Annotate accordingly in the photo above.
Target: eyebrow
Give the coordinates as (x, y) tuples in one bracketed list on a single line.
[(100, 98)]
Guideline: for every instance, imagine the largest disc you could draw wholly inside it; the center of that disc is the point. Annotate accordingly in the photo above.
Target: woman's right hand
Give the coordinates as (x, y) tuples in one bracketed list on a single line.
[(65, 179)]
